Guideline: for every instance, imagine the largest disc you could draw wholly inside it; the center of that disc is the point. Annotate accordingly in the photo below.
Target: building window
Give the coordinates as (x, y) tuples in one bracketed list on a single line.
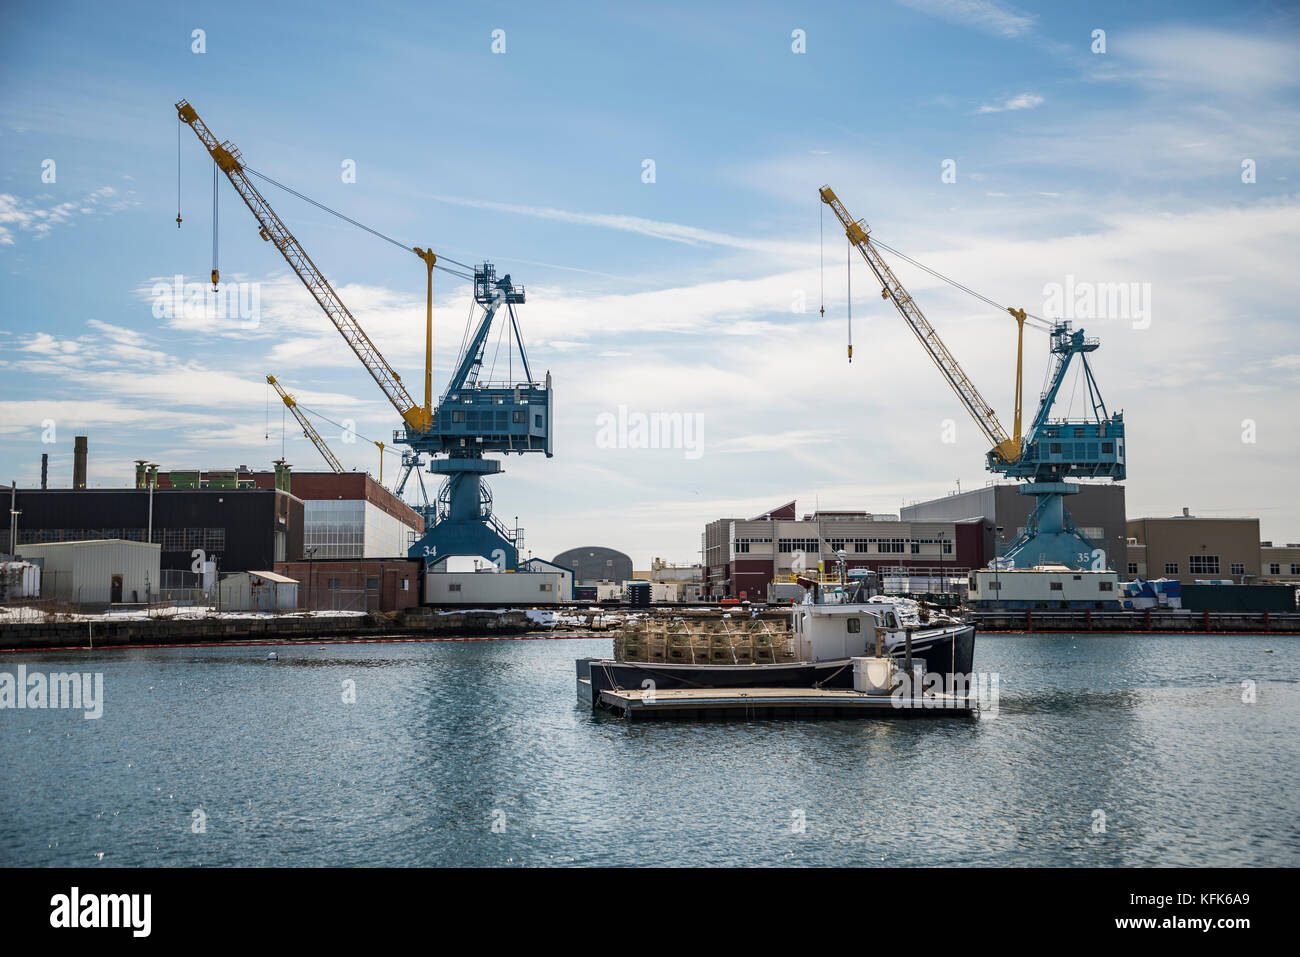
[(995, 586), (193, 538), (1106, 586), (1108, 448), (916, 548), (458, 415), (742, 545), (1057, 586), (537, 421), (406, 584), (519, 417), (1203, 565), (1275, 568), (173, 539), (947, 548), (1132, 568), (454, 586), (1295, 568), (214, 539), (372, 583), (855, 625), (1237, 568), (1054, 448), (1171, 568)]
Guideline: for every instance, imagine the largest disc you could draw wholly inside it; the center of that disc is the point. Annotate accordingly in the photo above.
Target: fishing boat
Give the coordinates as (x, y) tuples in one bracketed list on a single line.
[(837, 621)]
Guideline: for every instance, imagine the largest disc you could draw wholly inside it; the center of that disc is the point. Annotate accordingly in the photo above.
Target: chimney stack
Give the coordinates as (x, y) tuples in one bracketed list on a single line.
[(45, 469), (79, 462)]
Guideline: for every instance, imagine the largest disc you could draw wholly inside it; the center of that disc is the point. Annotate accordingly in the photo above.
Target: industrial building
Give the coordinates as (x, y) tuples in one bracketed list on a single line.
[(351, 584), (1097, 511), (492, 587), (345, 514), (742, 556), (257, 591), (239, 529), (1192, 549), (594, 563), (1048, 587), (99, 572), (1279, 563)]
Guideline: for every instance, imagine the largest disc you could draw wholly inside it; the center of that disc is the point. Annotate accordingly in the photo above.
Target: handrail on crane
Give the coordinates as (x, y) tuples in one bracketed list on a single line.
[(1008, 448)]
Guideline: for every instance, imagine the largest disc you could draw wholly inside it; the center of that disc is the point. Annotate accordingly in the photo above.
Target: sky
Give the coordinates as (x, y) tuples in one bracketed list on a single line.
[(650, 174)]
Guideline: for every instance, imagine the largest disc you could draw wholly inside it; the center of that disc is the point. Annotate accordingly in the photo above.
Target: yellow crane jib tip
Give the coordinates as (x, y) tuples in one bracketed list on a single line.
[(827, 194), (1018, 314), (216, 278), (427, 255)]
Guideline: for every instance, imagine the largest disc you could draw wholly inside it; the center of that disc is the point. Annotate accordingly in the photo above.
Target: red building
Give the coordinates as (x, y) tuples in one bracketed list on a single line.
[(347, 584)]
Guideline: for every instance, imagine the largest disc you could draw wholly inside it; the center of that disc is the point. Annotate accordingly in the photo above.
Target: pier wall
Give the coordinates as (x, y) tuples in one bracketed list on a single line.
[(183, 631), (1129, 622)]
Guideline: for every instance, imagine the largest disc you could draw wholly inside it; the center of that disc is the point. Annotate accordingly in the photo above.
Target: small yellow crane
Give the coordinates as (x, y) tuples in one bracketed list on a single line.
[(307, 428)]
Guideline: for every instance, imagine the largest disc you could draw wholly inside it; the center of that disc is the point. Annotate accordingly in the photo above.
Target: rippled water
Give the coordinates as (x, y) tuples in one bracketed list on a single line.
[(446, 738)]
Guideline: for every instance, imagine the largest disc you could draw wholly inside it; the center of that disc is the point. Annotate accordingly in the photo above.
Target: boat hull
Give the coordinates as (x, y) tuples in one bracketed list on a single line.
[(944, 651)]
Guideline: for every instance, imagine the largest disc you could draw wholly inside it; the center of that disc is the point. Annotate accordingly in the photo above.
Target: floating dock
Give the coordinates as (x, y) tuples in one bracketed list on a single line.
[(636, 704)]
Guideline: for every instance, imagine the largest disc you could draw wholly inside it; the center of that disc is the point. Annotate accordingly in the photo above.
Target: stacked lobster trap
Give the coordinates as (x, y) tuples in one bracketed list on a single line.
[(702, 642)]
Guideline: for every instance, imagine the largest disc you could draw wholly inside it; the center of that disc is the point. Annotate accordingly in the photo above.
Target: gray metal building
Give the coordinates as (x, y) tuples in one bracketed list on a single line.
[(595, 564), (106, 571)]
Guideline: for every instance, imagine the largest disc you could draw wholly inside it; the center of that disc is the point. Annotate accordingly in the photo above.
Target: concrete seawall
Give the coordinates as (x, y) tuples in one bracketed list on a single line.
[(33, 636), (1164, 621)]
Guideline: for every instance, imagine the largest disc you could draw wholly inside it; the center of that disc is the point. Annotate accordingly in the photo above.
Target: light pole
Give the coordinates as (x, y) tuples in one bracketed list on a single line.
[(311, 553)]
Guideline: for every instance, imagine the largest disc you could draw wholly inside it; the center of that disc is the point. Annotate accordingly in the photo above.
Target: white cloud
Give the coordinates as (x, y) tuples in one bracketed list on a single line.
[(1023, 101), (983, 15), (33, 217)]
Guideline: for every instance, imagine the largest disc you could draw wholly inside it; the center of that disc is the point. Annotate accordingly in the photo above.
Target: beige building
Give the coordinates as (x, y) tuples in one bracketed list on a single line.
[(1279, 563), (1195, 549)]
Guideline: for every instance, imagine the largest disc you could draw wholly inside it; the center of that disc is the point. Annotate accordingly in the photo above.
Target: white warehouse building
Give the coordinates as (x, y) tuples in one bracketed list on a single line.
[(99, 572)]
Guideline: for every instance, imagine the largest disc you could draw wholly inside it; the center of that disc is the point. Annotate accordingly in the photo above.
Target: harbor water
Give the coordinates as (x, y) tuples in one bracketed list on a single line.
[(1101, 750)]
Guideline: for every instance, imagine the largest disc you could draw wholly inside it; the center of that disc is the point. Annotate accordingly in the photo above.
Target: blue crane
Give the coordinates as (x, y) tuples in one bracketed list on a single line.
[(1052, 451), (472, 418)]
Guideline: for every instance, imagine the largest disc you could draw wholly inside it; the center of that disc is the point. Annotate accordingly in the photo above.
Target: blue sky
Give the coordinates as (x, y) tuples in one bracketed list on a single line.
[(672, 296)]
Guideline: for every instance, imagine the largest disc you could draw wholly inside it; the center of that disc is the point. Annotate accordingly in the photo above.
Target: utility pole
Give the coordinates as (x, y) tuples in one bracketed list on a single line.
[(13, 517)]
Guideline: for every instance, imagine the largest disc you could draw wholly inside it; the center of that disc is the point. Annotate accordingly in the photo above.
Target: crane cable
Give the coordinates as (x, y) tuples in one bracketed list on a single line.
[(215, 272), (373, 232), (179, 126), (324, 418), (821, 252), (1043, 325)]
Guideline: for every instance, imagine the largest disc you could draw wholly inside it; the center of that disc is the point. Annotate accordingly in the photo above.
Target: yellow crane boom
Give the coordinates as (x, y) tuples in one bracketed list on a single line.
[(273, 229), (307, 428), (859, 235)]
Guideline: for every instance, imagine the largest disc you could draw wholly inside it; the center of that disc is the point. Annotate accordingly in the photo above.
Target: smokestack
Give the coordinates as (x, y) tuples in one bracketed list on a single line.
[(79, 462), (45, 469), (1187, 513)]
